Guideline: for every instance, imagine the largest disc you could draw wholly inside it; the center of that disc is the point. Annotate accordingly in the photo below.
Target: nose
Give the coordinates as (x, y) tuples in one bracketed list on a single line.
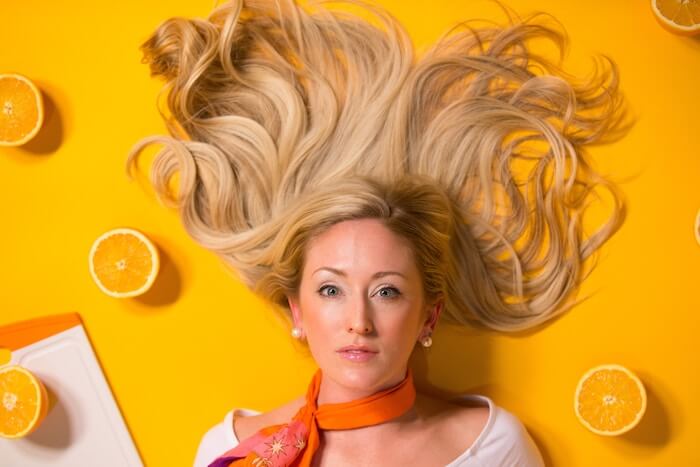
[(359, 319)]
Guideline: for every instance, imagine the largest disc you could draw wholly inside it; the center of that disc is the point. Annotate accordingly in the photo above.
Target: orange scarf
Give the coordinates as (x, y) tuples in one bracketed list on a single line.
[(294, 443)]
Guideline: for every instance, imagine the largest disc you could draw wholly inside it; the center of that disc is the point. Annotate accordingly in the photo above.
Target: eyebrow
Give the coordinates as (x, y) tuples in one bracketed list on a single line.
[(374, 276)]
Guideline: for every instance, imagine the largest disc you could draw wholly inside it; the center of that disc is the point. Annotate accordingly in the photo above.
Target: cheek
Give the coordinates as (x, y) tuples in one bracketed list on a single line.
[(323, 336), (402, 329), (410, 334), (320, 320)]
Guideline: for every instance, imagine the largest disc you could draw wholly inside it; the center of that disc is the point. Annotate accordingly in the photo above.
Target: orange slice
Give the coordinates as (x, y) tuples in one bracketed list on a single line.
[(124, 263), (697, 227), (24, 401), (610, 400), (21, 109), (678, 16)]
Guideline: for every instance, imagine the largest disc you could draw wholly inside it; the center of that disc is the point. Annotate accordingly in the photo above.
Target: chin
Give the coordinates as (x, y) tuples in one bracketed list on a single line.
[(362, 377)]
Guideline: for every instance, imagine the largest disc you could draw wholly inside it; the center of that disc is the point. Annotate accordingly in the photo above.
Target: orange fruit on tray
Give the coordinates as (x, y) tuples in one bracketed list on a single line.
[(24, 401), (124, 262), (678, 16), (610, 400), (21, 109)]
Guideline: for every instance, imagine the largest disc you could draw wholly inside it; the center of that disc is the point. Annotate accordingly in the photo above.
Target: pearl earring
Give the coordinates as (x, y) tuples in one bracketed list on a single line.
[(296, 332), (427, 341)]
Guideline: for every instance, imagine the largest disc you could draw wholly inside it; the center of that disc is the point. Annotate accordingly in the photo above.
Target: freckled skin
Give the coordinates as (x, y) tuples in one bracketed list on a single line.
[(387, 314)]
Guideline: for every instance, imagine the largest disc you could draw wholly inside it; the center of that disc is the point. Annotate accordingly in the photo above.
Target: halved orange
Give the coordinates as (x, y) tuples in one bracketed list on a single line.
[(24, 401), (610, 400), (21, 109), (124, 262), (678, 16)]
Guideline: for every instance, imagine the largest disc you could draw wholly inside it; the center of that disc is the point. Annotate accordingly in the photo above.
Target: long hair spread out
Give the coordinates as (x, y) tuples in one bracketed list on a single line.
[(285, 118)]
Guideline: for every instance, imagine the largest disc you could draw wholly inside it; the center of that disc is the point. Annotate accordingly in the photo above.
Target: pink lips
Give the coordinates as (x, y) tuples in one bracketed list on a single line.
[(357, 353)]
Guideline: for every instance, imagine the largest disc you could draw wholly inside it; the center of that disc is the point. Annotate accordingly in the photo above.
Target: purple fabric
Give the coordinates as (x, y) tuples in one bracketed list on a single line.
[(223, 461)]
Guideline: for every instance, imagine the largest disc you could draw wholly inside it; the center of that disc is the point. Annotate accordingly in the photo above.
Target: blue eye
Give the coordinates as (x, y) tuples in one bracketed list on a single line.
[(333, 291), (395, 291), (328, 287)]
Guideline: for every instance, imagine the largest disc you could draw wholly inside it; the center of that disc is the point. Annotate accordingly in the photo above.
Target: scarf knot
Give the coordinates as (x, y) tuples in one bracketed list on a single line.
[(293, 444)]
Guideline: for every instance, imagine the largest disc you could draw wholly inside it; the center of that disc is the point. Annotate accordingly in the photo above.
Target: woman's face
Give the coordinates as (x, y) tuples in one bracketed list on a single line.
[(360, 286)]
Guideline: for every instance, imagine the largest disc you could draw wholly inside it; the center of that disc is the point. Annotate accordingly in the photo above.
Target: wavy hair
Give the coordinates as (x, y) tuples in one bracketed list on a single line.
[(284, 119)]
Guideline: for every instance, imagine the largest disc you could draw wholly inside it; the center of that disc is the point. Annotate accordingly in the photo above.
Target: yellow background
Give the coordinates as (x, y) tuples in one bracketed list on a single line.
[(175, 357)]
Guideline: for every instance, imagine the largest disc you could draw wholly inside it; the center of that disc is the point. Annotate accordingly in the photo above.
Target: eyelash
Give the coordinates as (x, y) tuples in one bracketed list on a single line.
[(394, 289)]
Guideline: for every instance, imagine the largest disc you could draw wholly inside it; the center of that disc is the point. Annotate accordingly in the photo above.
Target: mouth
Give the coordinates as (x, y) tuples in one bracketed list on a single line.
[(357, 354)]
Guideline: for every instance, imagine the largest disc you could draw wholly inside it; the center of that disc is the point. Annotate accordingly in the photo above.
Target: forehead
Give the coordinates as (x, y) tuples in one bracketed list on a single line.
[(359, 244)]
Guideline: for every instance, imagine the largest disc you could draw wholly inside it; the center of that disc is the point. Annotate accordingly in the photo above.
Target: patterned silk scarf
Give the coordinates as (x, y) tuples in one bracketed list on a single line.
[(294, 443)]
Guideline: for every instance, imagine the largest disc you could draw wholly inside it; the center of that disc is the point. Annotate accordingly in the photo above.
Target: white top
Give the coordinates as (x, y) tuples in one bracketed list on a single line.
[(503, 442)]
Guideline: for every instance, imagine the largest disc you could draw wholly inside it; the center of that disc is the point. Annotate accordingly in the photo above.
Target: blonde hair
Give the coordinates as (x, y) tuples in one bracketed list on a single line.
[(412, 207), (285, 119)]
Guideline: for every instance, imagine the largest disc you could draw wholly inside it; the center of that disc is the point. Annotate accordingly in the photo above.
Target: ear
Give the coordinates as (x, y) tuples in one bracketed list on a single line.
[(294, 307), (433, 316)]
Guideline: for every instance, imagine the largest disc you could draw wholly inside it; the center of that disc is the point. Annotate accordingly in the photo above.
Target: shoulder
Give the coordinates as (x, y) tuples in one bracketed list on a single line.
[(217, 440), (482, 432), (453, 420), (503, 439), (456, 426), (246, 425), (238, 424)]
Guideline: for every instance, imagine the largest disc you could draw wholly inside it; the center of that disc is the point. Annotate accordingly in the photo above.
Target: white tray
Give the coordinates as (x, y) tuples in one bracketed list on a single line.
[(84, 427)]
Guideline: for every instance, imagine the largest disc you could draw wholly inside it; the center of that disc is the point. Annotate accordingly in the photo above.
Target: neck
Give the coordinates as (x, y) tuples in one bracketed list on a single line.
[(330, 392)]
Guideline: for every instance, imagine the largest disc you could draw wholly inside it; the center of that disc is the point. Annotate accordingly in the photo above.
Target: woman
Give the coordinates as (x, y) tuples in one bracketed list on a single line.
[(315, 154), (370, 264)]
